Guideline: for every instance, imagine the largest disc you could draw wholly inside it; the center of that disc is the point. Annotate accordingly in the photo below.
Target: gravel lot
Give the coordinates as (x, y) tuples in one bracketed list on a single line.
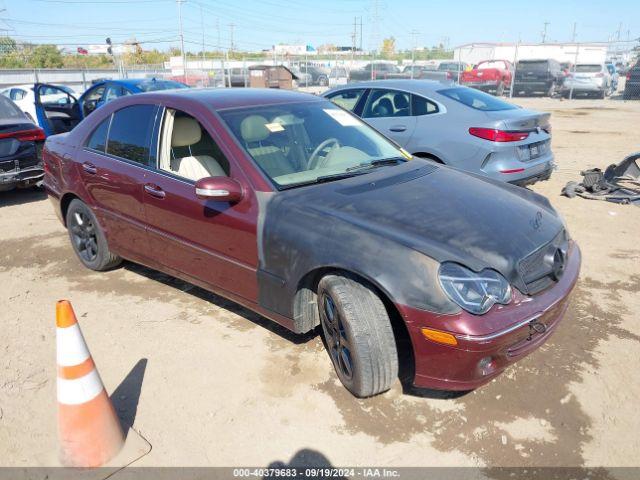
[(207, 382)]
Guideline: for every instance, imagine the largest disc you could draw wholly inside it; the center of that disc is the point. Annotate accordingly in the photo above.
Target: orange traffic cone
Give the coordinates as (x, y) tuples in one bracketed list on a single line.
[(89, 429)]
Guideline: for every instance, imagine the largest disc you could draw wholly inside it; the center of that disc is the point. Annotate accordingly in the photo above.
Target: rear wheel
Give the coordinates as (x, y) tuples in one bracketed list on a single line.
[(87, 238), (358, 335)]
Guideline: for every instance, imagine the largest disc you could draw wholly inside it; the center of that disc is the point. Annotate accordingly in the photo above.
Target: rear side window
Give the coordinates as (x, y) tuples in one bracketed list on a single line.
[(347, 99), (422, 106), (130, 134), (98, 139), (476, 99), (8, 109)]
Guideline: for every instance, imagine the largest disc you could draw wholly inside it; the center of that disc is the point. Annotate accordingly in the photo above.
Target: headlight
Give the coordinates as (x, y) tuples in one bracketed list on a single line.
[(474, 292)]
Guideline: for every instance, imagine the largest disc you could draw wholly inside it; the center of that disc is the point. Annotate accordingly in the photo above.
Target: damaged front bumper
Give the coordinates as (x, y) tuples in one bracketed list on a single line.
[(13, 175), (489, 343)]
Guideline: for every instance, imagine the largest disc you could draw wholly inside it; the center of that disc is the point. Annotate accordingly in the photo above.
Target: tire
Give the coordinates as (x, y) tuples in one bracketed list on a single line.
[(323, 81), (87, 238), (602, 94), (552, 90), (358, 335)]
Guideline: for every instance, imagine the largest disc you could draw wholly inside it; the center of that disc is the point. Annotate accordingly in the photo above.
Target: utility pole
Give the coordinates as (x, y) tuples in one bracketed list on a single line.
[(202, 26), (353, 37), (544, 32), (219, 47), (413, 34), (361, 34), (573, 34), (374, 35), (184, 58), (231, 27)]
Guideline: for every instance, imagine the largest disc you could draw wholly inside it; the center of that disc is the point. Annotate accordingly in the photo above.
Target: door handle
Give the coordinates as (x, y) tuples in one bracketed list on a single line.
[(398, 128), (154, 190), (90, 168)]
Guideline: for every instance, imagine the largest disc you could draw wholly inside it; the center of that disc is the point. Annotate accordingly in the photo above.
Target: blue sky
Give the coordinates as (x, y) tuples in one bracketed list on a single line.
[(261, 23)]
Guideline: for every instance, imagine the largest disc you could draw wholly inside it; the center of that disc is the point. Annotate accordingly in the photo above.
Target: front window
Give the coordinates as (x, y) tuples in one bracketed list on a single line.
[(312, 142), (476, 99)]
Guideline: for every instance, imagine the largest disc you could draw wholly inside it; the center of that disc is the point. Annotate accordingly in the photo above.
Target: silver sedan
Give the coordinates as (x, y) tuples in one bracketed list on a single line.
[(455, 125)]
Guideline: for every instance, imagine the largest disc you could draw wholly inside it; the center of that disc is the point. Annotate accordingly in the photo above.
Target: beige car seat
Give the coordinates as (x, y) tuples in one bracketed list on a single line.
[(269, 157), (187, 132)]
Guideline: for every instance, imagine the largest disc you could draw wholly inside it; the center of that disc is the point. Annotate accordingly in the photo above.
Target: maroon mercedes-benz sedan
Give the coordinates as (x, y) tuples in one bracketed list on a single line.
[(296, 209)]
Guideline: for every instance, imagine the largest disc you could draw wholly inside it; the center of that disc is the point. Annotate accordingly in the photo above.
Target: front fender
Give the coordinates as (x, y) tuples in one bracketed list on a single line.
[(298, 241)]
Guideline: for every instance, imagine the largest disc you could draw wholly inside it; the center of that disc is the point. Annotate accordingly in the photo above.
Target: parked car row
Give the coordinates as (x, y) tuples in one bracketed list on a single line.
[(299, 210), (57, 108)]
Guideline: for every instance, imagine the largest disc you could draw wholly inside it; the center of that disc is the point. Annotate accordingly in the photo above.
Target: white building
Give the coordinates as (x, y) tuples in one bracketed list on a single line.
[(562, 52)]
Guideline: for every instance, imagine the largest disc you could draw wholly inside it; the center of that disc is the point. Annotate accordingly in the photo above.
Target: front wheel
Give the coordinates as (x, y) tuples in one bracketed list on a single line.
[(87, 238), (358, 335)]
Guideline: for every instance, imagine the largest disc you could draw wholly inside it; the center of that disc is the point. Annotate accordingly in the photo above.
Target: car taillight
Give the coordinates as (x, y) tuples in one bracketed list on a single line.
[(600, 75), (628, 75), (494, 135), (449, 75), (30, 135)]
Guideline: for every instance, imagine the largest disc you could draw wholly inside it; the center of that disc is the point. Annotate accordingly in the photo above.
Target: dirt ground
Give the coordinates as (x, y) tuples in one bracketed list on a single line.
[(207, 382)]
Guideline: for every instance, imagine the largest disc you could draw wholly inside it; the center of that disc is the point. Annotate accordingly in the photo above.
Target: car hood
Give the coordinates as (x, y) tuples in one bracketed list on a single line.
[(439, 211)]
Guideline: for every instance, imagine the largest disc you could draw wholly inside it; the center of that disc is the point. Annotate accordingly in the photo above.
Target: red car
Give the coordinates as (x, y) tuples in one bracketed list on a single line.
[(296, 209), (492, 76)]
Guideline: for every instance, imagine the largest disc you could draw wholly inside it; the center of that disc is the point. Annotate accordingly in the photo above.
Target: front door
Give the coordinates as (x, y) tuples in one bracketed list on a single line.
[(389, 111), (56, 109), (214, 242)]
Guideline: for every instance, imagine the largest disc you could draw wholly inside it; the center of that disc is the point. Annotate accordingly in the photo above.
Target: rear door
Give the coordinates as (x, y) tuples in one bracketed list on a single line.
[(113, 163), (57, 110), (389, 111)]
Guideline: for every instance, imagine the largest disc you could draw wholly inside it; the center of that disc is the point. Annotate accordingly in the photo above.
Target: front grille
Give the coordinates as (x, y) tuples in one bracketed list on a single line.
[(8, 166), (540, 269)]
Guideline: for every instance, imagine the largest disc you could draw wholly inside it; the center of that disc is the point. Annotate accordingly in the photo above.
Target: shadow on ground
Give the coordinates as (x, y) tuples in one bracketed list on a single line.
[(20, 196)]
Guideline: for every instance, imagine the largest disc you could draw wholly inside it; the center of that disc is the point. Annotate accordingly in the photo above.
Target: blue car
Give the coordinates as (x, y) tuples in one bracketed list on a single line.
[(58, 111)]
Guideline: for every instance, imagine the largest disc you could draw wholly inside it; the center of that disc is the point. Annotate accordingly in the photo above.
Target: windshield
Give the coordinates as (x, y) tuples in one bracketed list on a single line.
[(153, 85), (534, 66), (310, 142), (476, 99), (493, 64), (588, 68)]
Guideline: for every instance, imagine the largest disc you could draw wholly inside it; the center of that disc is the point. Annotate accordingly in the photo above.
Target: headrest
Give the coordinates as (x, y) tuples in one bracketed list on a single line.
[(253, 128), (400, 101), (384, 107), (186, 131)]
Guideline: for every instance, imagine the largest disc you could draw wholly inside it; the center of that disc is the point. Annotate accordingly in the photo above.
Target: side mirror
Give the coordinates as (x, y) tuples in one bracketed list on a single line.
[(220, 189)]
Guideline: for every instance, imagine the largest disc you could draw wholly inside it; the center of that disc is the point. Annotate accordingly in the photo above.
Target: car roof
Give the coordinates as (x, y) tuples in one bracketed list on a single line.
[(220, 98), (415, 86)]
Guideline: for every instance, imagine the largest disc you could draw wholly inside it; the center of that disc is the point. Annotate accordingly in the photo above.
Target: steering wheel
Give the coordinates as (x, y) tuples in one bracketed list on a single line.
[(315, 161)]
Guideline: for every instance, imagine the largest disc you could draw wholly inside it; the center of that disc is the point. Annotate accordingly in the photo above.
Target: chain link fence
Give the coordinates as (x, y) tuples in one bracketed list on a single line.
[(570, 70)]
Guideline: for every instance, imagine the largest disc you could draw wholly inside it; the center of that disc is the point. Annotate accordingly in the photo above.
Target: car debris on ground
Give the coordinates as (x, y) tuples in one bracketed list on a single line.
[(619, 183)]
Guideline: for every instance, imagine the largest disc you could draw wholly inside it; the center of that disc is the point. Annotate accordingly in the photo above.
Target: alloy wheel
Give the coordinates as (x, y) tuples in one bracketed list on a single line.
[(84, 236), (336, 336)]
